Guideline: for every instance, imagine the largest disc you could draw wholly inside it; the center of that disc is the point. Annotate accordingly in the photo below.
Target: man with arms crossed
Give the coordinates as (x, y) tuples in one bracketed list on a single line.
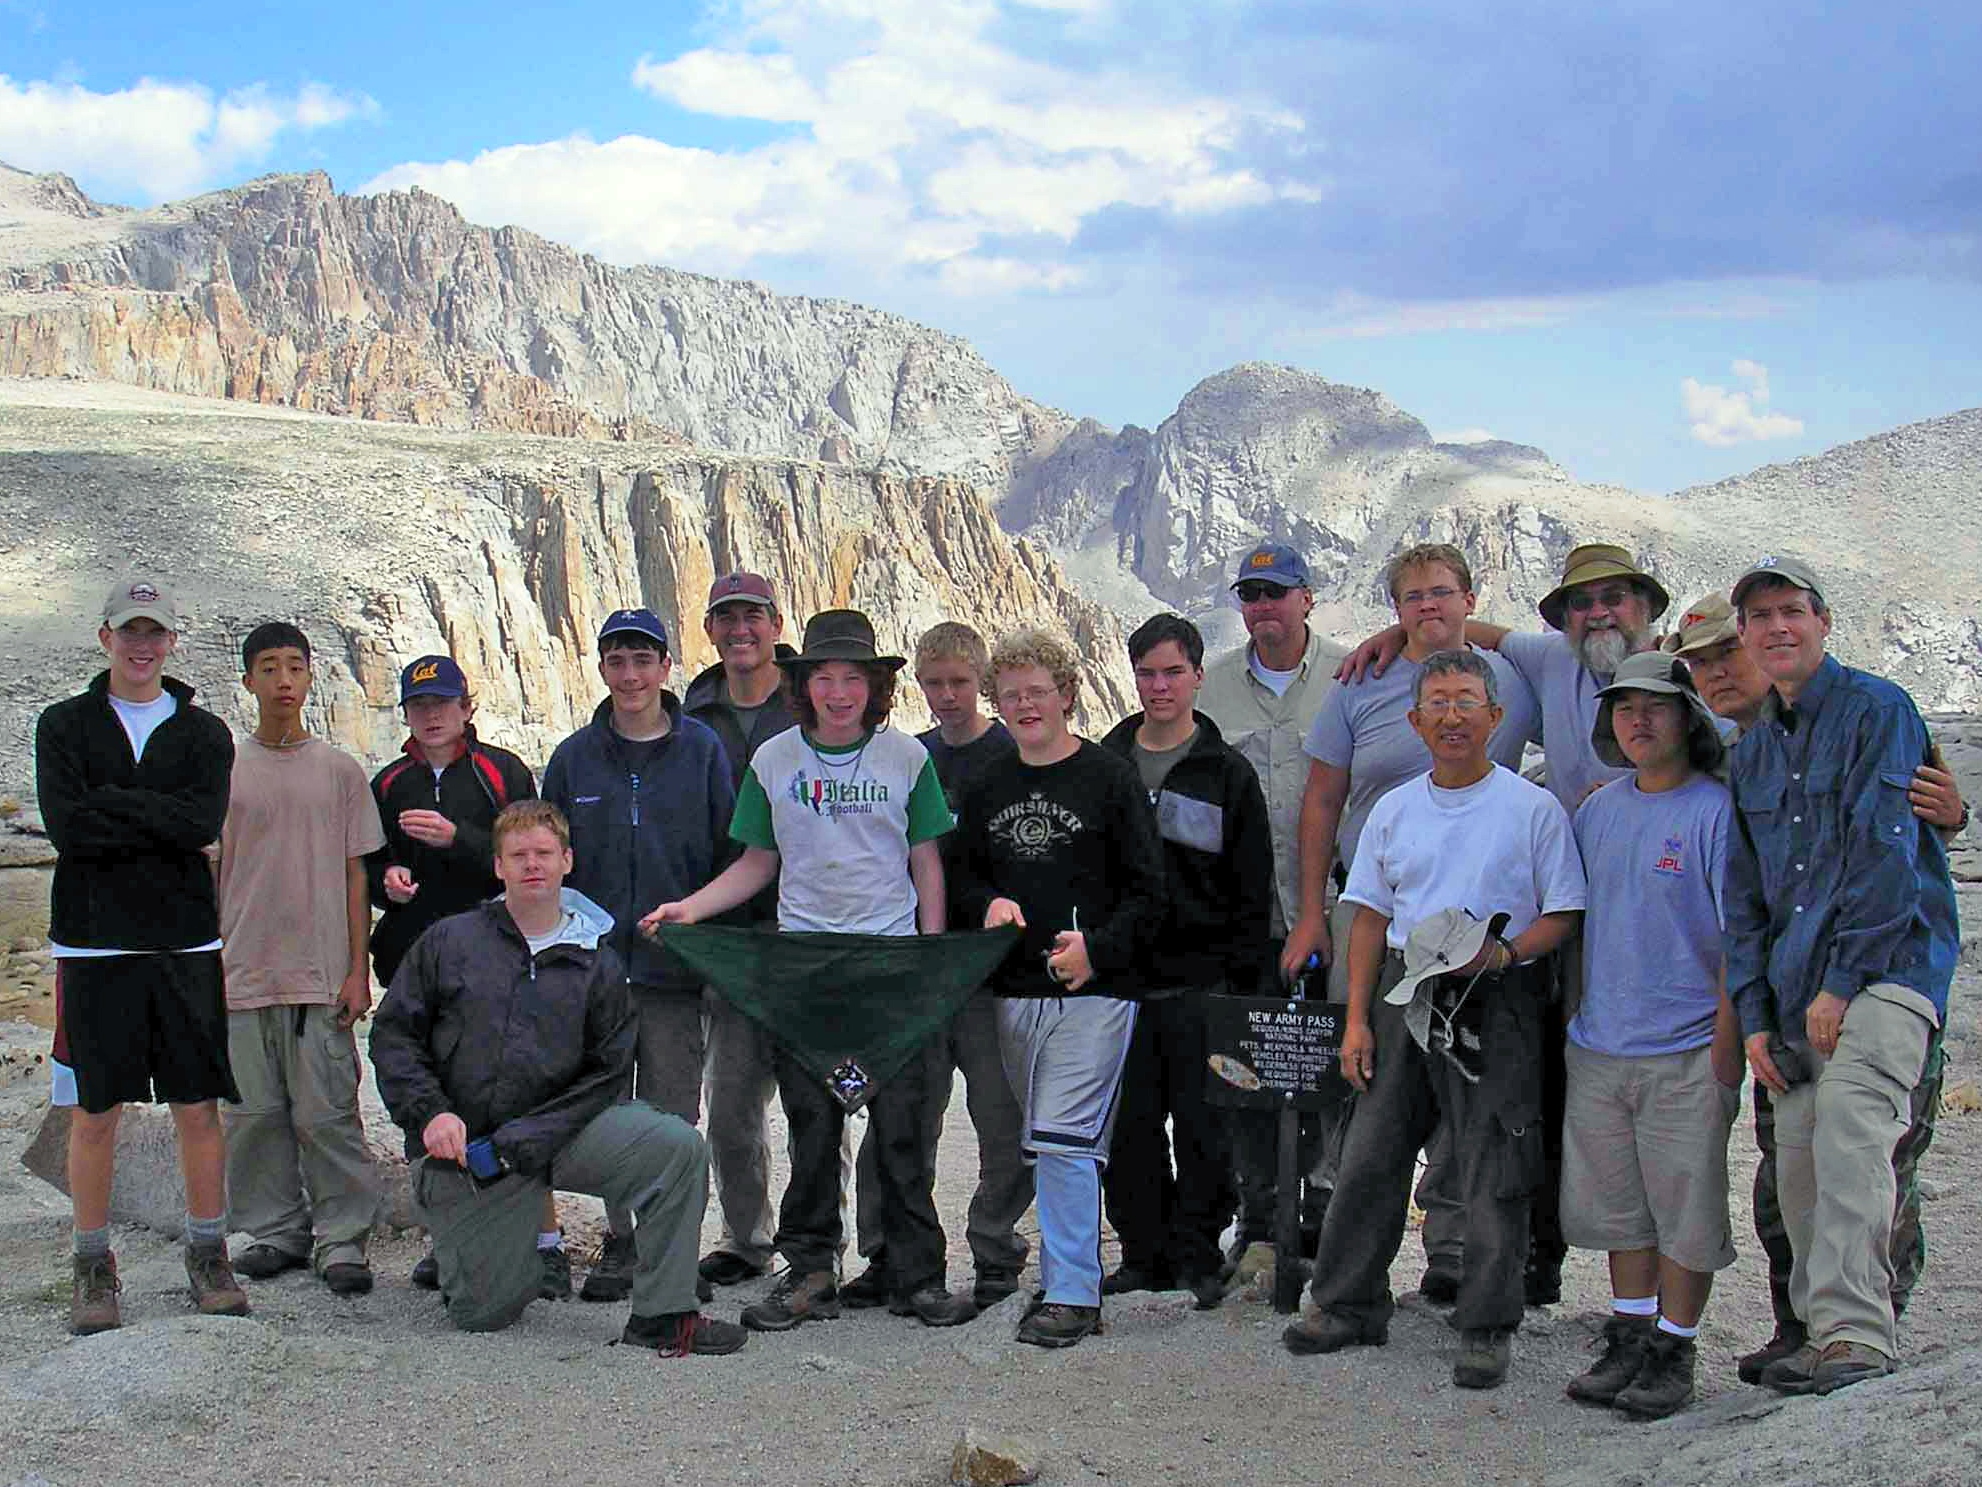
[(132, 784), (1469, 836), (1264, 696), (1842, 939)]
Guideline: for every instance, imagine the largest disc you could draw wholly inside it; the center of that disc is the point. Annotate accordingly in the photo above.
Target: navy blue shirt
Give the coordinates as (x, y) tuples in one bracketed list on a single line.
[(1833, 884)]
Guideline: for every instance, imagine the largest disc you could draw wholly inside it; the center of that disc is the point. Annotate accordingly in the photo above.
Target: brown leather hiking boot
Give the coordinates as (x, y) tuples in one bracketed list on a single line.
[(796, 1299), (210, 1280), (93, 1302)]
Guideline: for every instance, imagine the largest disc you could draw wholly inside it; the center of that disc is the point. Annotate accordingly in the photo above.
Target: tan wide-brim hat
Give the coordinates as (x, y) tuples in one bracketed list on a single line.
[(1592, 563)]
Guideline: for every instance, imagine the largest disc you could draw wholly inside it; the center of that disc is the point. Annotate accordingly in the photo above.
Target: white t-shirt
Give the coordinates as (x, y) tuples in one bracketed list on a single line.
[(841, 822), (141, 719), (1498, 846), (1276, 682)]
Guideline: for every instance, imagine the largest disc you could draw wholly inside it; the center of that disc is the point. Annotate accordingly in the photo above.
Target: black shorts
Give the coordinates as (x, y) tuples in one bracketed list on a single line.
[(146, 1027)]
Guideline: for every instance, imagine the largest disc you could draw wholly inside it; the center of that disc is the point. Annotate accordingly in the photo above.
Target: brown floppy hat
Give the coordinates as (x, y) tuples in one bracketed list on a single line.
[(1592, 563), (841, 635)]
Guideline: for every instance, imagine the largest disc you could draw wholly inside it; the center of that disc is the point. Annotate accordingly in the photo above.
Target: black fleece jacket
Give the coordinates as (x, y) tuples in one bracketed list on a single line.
[(1218, 864), (470, 792), (526, 1050), (133, 872)]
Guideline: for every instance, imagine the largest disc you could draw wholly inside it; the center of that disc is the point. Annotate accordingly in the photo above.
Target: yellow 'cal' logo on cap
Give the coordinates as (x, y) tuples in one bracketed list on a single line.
[(426, 673), (1262, 560)]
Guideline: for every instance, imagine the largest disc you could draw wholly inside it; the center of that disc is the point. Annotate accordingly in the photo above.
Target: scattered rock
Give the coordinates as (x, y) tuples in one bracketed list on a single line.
[(982, 1459), (989, 1339)]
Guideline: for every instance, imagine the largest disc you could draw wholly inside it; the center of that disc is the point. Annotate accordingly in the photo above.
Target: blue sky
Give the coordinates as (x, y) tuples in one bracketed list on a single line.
[(1666, 243)]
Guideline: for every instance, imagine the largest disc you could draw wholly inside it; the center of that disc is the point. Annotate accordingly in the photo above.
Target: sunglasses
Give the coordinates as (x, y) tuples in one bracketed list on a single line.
[(1582, 600), (1254, 590)]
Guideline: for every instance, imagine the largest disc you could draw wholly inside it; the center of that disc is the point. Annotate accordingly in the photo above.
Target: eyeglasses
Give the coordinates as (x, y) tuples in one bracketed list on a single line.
[(1030, 697), (1254, 590), (1438, 707), (1418, 596), (1581, 600)]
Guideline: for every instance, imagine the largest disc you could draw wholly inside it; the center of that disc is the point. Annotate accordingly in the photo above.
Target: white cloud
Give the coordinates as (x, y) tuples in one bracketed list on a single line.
[(915, 140), (1721, 418), (1466, 436), (158, 139)]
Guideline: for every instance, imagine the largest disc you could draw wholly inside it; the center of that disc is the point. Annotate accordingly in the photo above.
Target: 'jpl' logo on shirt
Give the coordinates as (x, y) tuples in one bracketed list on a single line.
[(1668, 861)]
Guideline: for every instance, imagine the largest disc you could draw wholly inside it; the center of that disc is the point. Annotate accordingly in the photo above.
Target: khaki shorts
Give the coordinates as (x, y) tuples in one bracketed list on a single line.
[(1644, 1156)]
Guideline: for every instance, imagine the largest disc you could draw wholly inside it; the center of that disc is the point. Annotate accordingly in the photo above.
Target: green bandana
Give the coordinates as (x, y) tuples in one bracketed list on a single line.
[(851, 1009)]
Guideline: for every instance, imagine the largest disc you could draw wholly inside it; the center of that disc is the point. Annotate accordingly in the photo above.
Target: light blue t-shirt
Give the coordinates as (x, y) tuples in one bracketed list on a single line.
[(1652, 950), (1366, 729), (1567, 692)]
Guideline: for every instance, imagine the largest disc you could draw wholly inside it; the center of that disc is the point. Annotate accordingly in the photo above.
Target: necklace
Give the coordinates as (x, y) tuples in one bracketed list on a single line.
[(283, 742), (829, 767)]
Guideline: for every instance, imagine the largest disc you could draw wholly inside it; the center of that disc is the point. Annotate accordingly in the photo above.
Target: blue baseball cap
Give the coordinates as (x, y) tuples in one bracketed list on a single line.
[(634, 622), (1274, 562), (432, 676)]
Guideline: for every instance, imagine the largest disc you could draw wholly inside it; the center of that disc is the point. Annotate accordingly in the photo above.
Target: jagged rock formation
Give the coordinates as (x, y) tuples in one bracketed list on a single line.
[(394, 307), (507, 551)]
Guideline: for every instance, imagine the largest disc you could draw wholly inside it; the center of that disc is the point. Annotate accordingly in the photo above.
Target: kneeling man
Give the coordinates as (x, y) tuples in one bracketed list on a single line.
[(501, 1050), (1476, 871)]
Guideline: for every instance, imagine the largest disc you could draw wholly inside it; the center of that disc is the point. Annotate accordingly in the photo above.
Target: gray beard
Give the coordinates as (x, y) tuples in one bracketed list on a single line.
[(1603, 651)]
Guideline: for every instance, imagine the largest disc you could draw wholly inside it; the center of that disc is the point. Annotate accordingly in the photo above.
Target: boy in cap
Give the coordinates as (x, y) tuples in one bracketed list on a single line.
[(295, 911), (1467, 877), (1708, 640), (1061, 842), (438, 803), (742, 697), (131, 779), (1842, 938), (646, 790), (1654, 1056), (843, 813)]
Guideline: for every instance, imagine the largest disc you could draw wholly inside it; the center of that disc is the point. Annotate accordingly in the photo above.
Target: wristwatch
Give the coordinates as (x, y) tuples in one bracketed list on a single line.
[(1961, 825)]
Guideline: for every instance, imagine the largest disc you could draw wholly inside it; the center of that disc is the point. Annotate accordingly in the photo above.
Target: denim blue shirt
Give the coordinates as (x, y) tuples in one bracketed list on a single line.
[(1833, 884)]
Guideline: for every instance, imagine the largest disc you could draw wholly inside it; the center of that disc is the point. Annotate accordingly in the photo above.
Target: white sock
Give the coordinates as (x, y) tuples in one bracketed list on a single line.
[(1635, 1306), (551, 1239), (1676, 1330)]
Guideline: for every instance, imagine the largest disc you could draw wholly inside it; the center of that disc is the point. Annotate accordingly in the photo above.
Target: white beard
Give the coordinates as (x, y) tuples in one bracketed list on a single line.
[(1603, 651)]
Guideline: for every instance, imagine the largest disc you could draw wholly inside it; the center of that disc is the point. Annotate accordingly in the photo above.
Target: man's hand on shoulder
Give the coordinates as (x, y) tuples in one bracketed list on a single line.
[(1373, 656), (446, 1138)]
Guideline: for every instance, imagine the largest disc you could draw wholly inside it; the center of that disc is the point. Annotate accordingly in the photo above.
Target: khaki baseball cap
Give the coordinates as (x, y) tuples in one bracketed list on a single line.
[(139, 597), (1777, 570), (1708, 622)]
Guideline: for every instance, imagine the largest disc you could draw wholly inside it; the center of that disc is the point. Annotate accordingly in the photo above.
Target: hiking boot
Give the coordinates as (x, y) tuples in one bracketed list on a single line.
[(426, 1273), (1055, 1324), (348, 1278), (1624, 1340), (994, 1284), (1790, 1374), (796, 1298), (1439, 1286), (211, 1280), (93, 1302), (1843, 1364), (1482, 1361), (555, 1283), (266, 1261), (611, 1276), (1326, 1332), (678, 1334), (1541, 1283), (868, 1289), (721, 1268), (933, 1306), (1789, 1337), (1207, 1289), (1664, 1385), (1131, 1277)]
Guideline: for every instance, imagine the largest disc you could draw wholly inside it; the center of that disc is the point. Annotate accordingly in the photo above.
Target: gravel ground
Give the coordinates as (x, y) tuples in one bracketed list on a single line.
[(312, 1388)]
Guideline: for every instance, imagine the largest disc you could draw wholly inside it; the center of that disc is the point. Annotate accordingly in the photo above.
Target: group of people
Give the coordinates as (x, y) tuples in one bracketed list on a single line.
[(1551, 991)]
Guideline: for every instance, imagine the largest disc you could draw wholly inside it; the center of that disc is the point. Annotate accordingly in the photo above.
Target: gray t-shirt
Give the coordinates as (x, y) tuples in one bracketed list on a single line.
[(1366, 729), (1568, 696), (1154, 765), (1652, 933)]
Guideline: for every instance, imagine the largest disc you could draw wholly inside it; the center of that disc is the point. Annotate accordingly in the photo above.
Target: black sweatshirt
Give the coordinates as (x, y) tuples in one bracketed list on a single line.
[(1218, 860), (1056, 837), (132, 834)]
